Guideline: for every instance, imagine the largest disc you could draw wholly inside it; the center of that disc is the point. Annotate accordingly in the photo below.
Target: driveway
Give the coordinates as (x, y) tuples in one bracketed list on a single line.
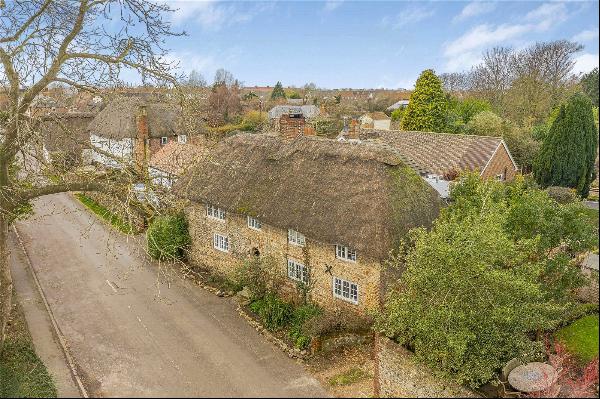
[(135, 329)]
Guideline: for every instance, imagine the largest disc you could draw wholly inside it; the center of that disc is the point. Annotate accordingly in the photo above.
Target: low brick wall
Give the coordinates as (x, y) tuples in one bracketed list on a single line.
[(397, 374)]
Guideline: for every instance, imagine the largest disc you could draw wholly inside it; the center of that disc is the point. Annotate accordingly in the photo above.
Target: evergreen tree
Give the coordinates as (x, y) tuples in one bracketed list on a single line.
[(569, 150), (428, 105), (277, 92)]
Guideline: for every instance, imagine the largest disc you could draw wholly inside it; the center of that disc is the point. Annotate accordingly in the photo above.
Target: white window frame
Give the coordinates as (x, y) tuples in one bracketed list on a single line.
[(214, 212), (221, 242), (164, 140), (297, 271), (182, 139), (344, 290), (296, 238), (254, 223), (345, 253)]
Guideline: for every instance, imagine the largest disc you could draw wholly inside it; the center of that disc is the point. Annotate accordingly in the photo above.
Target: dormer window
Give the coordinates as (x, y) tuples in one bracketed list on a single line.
[(215, 212), (296, 238), (164, 140), (182, 139), (345, 253)]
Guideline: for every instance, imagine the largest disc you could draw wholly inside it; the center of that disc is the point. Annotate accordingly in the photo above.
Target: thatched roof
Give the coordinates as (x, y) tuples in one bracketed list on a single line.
[(118, 119), (361, 195), (66, 132), (438, 153)]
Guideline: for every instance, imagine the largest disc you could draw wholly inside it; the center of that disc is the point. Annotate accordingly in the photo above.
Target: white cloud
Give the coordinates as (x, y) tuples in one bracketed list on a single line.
[(465, 51), (473, 9), (586, 35), (585, 63), (411, 15), (214, 15), (331, 5)]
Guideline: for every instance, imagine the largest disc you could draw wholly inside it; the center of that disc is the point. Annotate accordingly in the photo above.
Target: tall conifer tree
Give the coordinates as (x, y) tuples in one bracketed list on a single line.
[(568, 152)]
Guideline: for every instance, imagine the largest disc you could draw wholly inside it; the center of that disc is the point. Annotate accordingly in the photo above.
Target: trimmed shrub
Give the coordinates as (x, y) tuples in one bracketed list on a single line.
[(562, 195), (168, 237), (274, 312)]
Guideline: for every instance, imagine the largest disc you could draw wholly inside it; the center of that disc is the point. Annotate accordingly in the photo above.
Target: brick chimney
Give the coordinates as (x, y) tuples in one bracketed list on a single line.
[(141, 143), (291, 125), (353, 129)]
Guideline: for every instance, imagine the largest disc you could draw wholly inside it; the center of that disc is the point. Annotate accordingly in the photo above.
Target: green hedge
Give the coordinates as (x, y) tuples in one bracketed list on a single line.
[(168, 237)]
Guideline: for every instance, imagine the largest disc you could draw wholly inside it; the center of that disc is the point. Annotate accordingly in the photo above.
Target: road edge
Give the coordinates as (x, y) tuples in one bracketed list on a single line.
[(55, 329)]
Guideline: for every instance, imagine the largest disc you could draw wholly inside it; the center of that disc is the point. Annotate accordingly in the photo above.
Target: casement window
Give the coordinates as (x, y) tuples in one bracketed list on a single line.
[(296, 238), (221, 242), (182, 139), (164, 140), (345, 290), (254, 223), (297, 271), (345, 253), (215, 212)]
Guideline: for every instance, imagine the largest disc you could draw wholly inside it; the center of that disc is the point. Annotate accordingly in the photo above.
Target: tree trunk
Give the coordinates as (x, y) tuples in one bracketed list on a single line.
[(6, 284)]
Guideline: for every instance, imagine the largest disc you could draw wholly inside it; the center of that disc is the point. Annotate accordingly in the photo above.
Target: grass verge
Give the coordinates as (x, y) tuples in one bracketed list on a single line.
[(349, 377), (105, 214), (22, 373), (581, 338)]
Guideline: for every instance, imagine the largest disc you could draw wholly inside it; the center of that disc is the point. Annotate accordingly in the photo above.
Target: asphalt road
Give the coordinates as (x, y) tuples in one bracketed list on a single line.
[(135, 329)]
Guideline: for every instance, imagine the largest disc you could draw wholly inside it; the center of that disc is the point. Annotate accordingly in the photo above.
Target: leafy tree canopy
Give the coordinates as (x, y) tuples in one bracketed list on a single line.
[(568, 152), (481, 281), (428, 105), (589, 82)]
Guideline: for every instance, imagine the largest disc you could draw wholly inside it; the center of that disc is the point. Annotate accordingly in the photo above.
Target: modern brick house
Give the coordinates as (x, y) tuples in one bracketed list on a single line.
[(438, 157), (327, 212), (133, 130)]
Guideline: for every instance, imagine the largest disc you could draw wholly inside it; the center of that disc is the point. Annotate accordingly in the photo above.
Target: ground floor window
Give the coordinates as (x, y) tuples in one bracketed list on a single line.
[(345, 290), (221, 242), (297, 271)]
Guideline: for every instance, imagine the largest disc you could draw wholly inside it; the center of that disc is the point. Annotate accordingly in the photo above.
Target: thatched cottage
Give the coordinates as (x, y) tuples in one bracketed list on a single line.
[(132, 130), (328, 212)]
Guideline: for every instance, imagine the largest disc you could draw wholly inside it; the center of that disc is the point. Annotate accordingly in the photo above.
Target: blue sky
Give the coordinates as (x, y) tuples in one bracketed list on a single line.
[(364, 44)]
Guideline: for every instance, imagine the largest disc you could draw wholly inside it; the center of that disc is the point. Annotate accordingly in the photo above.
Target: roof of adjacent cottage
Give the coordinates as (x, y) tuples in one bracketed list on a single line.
[(175, 158), (118, 119), (65, 131), (356, 194), (438, 153), (308, 111), (398, 104), (376, 116)]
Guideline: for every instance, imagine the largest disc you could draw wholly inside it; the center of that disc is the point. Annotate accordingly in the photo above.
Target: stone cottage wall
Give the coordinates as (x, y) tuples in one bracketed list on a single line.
[(397, 374), (272, 241)]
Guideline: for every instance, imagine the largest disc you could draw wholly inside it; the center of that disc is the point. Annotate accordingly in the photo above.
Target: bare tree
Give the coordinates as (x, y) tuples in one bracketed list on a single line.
[(493, 77), (457, 83), (85, 44)]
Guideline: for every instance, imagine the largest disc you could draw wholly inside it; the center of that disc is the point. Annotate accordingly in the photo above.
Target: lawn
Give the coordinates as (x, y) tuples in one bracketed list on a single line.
[(22, 373), (581, 338), (105, 214)]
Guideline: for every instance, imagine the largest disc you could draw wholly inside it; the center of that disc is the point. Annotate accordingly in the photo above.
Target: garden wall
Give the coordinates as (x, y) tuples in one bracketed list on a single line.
[(397, 374)]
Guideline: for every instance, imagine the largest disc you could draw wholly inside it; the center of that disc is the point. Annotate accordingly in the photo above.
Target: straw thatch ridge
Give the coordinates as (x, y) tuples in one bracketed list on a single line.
[(118, 119), (360, 195)]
